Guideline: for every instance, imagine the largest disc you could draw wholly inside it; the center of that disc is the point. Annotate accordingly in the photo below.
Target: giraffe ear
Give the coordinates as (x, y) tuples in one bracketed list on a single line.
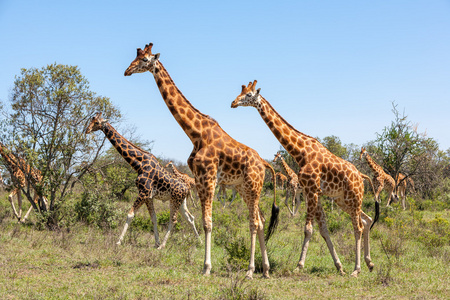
[(157, 56), (257, 91)]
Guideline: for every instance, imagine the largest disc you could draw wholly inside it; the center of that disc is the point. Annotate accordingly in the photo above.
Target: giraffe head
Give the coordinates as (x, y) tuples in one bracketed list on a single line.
[(277, 157), (363, 153), (97, 123), (248, 96), (144, 61), (169, 164)]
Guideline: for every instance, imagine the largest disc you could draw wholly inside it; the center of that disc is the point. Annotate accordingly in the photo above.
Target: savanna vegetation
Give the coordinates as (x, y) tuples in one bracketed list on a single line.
[(69, 250)]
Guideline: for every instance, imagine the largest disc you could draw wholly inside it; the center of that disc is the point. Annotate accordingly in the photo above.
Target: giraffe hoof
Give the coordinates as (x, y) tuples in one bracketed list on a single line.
[(297, 270), (266, 275), (206, 271), (355, 273), (249, 275), (371, 265)]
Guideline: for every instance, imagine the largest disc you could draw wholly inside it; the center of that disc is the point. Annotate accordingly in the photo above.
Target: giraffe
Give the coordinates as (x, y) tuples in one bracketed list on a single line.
[(188, 180), (215, 159), (281, 179), (321, 172), (380, 178), (16, 166), (153, 181), (293, 186), (401, 187), (222, 194)]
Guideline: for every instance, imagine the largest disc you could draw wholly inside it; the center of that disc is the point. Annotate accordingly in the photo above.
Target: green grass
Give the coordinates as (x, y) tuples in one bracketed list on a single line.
[(410, 249)]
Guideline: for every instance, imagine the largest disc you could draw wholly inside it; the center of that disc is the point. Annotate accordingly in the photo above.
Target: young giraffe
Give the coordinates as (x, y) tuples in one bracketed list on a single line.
[(293, 186), (380, 178), (188, 180), (222, 194), (153, 181), (401, 188), (321, 172), (15, 165), (281, 179), (216, 159)]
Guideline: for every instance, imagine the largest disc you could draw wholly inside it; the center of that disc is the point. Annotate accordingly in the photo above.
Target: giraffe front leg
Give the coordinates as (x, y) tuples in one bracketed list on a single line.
[(172, 222), (26, 215), (152, 213), (311, 201), (286, 202), (36, 197), (262, 245), (254, 225), (206, 194), (136, 205), (298, 201)]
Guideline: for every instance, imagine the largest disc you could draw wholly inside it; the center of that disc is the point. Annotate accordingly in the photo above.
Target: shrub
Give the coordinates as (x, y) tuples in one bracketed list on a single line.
[(93, 208)]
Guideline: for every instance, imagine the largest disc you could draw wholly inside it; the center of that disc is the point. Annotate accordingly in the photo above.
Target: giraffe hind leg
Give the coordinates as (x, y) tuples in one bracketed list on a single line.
[(367, 222), (136, 205), (189, 217), (321, 220), (11, 199)]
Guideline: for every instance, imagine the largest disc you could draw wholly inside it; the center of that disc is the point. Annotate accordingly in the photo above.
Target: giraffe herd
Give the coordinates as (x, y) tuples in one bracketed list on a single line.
[(218, 160)]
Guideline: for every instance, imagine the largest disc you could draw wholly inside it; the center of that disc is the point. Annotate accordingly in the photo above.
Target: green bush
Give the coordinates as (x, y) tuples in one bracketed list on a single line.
[(93, 208)]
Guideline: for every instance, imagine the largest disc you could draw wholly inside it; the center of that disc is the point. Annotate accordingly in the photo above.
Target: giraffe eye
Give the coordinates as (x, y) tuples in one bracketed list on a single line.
[(145, 59), (249, 94)]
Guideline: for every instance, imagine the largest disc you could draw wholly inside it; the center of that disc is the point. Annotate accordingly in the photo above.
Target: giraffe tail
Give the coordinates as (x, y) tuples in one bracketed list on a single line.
[(377, 204), (275, 208)]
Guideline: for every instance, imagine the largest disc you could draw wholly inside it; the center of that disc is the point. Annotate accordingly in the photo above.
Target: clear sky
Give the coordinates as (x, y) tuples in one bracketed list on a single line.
[(328, 67)]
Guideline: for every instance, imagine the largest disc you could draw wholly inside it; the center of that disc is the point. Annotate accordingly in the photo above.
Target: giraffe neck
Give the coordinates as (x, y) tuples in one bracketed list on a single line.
[(19, 166), (191, 120), (131, 153), (286, 168), (290, 138), (176, 172), (8, 158), (373, 165)]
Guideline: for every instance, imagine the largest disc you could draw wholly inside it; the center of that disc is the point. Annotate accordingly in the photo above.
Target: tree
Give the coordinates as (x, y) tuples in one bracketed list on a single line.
[(334, 145), (50, 108), (403, 149)]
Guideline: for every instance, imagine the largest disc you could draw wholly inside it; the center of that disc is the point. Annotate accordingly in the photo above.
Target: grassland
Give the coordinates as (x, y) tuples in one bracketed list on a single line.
[(410, 249)]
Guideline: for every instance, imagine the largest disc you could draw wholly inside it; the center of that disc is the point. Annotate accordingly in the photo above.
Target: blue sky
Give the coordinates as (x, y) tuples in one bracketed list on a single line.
[(328, 67)]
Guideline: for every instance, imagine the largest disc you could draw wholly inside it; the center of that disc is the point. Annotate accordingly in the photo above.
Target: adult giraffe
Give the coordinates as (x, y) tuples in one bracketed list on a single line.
[(321, 172), (216, 159)]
